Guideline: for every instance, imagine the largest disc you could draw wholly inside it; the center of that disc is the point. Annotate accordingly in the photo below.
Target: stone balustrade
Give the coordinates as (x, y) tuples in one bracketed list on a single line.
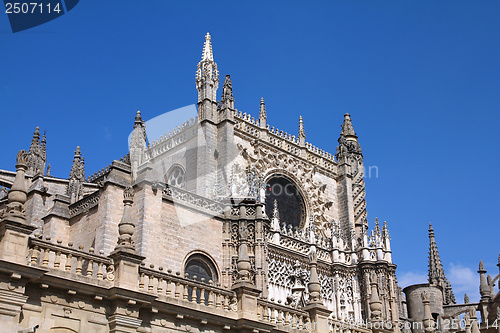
[(250, 126), (43, 253), (85, 204), (173, 286), (284, 316), (188, 199)]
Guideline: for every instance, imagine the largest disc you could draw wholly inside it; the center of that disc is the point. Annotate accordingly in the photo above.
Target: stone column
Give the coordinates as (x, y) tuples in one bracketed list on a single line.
[(126, 260), (14, 237), (244, 286), (428, 321)]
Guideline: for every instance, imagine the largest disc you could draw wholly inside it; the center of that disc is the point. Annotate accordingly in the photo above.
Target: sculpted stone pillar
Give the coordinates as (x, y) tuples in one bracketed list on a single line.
[(428, 321), (126, 260), (14, 237), (317, 311), (244, 286)]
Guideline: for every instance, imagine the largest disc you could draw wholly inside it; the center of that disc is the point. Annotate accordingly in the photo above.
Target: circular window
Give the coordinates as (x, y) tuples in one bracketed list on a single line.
[(291, 205), (176, 177)]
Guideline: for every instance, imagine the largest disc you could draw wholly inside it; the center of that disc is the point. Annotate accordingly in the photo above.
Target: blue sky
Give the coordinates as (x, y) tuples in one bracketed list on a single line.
[(420, 79)]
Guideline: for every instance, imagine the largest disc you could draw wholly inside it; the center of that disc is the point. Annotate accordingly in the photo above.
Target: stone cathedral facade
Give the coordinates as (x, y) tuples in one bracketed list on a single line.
[(224, 224)]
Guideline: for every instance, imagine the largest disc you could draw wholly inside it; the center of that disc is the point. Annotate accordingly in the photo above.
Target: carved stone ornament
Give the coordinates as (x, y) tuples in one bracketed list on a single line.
[(267, 161)]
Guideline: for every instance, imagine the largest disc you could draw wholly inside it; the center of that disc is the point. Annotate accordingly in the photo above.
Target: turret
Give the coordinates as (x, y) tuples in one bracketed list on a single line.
[(207, 83), (351, 183)]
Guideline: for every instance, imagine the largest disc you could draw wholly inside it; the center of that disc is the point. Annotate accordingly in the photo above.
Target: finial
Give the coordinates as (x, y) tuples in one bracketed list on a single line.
[(427, 320), (385, 230), (302, 133), (484, 288), (243, 264), (481, 267), (375, 303), (48, 170), (138, 118), (36, 135), (262, 114), (314, 285), (347, 128), (78, 168), (126, 227), (207, 49)]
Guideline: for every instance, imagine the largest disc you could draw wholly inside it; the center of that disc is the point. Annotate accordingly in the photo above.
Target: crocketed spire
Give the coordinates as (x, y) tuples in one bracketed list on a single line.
[(262, 113), (437, 276), (348, 141), (37, 154), (347, 129), (207, 49), (78, 168), (302, 132), (76, 177), (207, 83)]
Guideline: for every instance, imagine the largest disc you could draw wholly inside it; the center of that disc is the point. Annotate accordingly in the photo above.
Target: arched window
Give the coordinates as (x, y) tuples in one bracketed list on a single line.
[(201, 267), (291, 204), (176, 176)]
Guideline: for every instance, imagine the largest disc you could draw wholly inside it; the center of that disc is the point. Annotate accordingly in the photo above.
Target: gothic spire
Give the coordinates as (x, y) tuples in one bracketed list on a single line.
[(262, 113), (347, 129), (37, 156), (348, 141), (78, 168), (436, 271), (207, 49), (207, 83), (302, 133), (76, 177)]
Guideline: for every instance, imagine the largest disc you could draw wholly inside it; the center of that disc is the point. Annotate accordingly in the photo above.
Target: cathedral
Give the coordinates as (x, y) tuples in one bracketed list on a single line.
[(223, 224)]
